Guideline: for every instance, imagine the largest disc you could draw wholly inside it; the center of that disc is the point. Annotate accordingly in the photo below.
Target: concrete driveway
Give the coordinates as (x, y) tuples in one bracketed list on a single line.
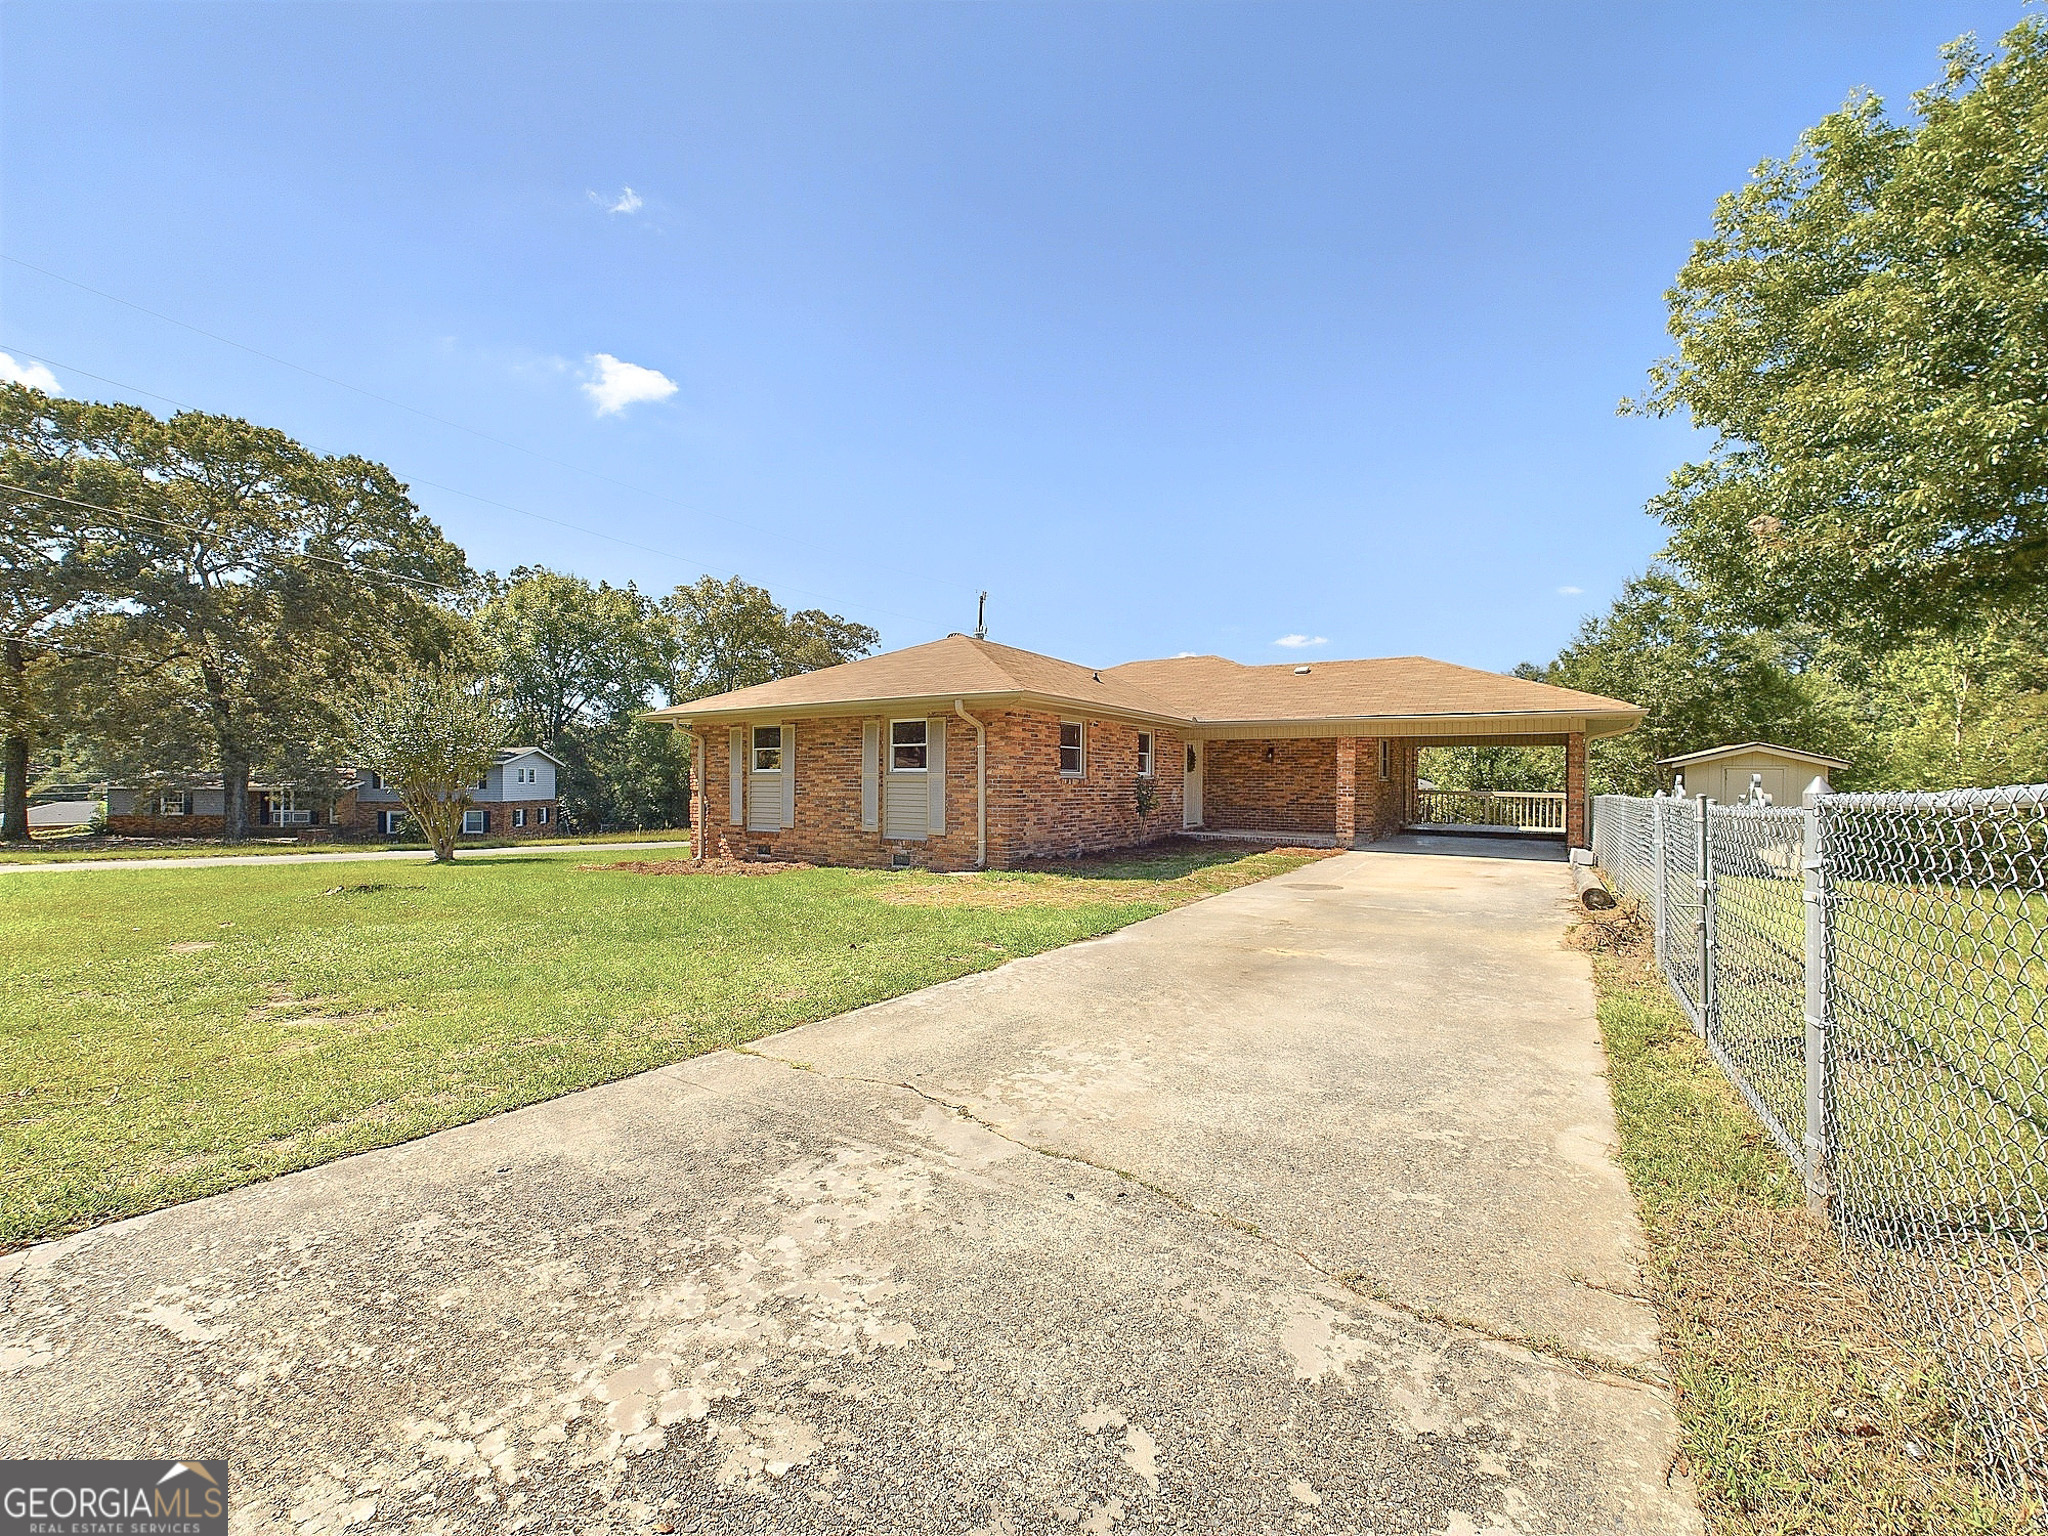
[(1289, 1211)]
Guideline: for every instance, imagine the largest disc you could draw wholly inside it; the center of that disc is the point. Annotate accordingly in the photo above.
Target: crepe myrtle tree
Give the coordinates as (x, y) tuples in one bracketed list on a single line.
[(431, 734)]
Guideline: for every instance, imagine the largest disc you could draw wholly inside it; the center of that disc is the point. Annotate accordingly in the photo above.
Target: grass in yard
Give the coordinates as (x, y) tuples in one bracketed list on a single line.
[(1801, 1414), (166, 1034), (74, 849)]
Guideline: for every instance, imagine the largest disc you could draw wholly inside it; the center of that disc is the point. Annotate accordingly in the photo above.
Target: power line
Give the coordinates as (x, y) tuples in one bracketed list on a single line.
[(371, 394), (340, 565), (539, 517)]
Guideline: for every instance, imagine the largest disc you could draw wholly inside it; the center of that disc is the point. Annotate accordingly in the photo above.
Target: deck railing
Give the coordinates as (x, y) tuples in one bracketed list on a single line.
[(1527, 810)]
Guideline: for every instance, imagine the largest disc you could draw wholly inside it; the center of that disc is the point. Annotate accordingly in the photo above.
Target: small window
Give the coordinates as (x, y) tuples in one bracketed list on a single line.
[(475, 823), (484, 782), (1144, 754), (1073, 759), (519, 816), (1386, 766), (543, 815), (172, 805), (376, 780), (767, 749), (1191, 757), (907, 745), (390, 823)]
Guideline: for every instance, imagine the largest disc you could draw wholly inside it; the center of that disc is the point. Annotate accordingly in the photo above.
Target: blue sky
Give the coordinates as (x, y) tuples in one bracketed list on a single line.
[(1177, 327)]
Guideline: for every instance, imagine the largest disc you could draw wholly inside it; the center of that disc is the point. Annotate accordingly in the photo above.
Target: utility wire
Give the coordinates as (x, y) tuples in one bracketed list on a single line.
[(371, 394), (187, 528), (539, 517)]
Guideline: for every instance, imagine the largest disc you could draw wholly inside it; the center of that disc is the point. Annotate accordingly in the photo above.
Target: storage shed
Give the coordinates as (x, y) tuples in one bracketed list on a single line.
[(1726, 773)]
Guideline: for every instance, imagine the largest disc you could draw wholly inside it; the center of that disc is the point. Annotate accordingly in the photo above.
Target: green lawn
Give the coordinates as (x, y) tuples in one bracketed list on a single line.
[(1802, 1410), (73, 849), (170, 1033)]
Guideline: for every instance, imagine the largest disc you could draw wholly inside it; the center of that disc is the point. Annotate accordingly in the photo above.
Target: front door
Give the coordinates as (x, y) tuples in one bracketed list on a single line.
[(1191, 787)]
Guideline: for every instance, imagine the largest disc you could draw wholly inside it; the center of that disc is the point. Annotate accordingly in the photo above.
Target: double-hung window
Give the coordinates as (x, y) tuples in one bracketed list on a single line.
[(767, 749), (907, 745), (1073, 750), (390, 823), (519, 816), (476, 823), (1144, 754)]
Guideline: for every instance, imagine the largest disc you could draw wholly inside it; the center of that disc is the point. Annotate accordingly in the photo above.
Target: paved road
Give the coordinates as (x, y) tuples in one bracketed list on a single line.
[(417, 855), (1288, 1211)]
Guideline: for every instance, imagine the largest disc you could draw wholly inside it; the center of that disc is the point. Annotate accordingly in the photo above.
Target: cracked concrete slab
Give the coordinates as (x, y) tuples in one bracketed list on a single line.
[(1071, 1246)]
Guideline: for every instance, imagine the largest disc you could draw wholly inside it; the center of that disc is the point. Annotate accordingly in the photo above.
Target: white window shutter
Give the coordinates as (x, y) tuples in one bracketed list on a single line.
[(736, 761), (789, 773), (935, 776), (870, 773)]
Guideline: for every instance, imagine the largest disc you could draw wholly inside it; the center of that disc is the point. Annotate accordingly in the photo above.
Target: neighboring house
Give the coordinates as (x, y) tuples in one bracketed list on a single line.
[(962, 753), (198, 810), (1725, 773), (514, 798)]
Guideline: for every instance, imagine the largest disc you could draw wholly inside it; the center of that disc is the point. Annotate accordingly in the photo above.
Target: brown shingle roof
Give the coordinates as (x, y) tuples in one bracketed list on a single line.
[(955, 667), (1216, 689), (1203, 689)]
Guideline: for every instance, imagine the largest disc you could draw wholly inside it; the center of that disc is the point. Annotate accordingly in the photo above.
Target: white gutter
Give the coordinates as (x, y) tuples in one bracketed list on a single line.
[(980, 784)]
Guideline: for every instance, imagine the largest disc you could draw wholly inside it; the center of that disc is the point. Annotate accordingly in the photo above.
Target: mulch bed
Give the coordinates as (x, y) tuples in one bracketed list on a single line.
[(708, 867)]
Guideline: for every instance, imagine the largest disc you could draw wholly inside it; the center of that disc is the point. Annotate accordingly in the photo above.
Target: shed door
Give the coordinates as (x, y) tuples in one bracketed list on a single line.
[(1191, 787)]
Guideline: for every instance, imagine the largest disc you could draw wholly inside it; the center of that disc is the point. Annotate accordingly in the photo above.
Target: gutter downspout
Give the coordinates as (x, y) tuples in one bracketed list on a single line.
[(980, 784)]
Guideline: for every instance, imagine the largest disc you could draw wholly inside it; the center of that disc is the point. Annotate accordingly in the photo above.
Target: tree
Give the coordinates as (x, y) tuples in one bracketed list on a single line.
[(578, 663), (572, 654), (431, 733), (1704, 681), (730, 634), (1867, 333), (267, 581), (58, 553)]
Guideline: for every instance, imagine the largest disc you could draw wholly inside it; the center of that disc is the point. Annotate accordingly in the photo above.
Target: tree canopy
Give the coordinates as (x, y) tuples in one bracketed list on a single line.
[(1866, 331)]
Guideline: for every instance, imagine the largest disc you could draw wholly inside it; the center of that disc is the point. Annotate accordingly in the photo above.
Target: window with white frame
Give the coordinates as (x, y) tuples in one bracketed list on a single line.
[(519, 816), (1073, 749), (1144, 754), (526, 775), (908, 741), (484, 782), (543, 815), (475, 823), (390, 823), (1386, 759), (767, 749), (175, 803)]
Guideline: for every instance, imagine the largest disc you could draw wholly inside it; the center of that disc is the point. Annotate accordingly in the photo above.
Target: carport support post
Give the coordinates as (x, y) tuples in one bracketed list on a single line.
[(1817, 1142), (1709, 947), (1657, 856), (1347, 791), (1575, 790)]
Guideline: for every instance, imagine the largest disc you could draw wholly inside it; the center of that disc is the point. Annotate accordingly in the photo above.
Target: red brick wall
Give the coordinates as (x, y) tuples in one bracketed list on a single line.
[(1032, 811), (362, 819), (1294, 791), (170, 826)]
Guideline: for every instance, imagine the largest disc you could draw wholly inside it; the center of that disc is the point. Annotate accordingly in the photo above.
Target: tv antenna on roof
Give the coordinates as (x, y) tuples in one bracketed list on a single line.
[(981, 618)]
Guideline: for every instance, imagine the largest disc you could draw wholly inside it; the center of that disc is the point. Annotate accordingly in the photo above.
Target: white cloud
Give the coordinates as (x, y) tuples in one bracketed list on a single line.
[(34, 375), (628, 201), (1571, 591), (615, 385), (1301, 642)]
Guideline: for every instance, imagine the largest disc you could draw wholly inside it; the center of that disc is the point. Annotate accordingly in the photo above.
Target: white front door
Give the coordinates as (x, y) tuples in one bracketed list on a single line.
[(1191, 787)]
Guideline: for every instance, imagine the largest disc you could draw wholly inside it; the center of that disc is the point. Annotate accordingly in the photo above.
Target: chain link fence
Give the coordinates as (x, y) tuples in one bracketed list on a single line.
[(1871, 971)]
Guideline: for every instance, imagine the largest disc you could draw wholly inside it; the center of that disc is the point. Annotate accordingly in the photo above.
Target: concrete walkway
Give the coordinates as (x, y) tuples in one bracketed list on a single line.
[(1288, 1211), (417, 855)]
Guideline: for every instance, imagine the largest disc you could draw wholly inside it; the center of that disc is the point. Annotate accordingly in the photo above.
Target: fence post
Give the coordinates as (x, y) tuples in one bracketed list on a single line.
[(1657, 881), (1819, 1065), (1707, 936)]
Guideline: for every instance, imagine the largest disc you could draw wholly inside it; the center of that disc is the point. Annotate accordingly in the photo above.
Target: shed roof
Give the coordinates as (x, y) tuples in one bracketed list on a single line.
[(1192, 690), (1708, 754)]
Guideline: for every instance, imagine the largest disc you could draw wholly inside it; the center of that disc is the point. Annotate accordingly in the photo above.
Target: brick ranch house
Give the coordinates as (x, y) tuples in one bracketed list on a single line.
[(963, 753), (514, 798)]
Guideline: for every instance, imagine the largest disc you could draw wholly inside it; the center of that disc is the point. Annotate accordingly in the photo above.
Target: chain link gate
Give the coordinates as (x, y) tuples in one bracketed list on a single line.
[(1871, 972)]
